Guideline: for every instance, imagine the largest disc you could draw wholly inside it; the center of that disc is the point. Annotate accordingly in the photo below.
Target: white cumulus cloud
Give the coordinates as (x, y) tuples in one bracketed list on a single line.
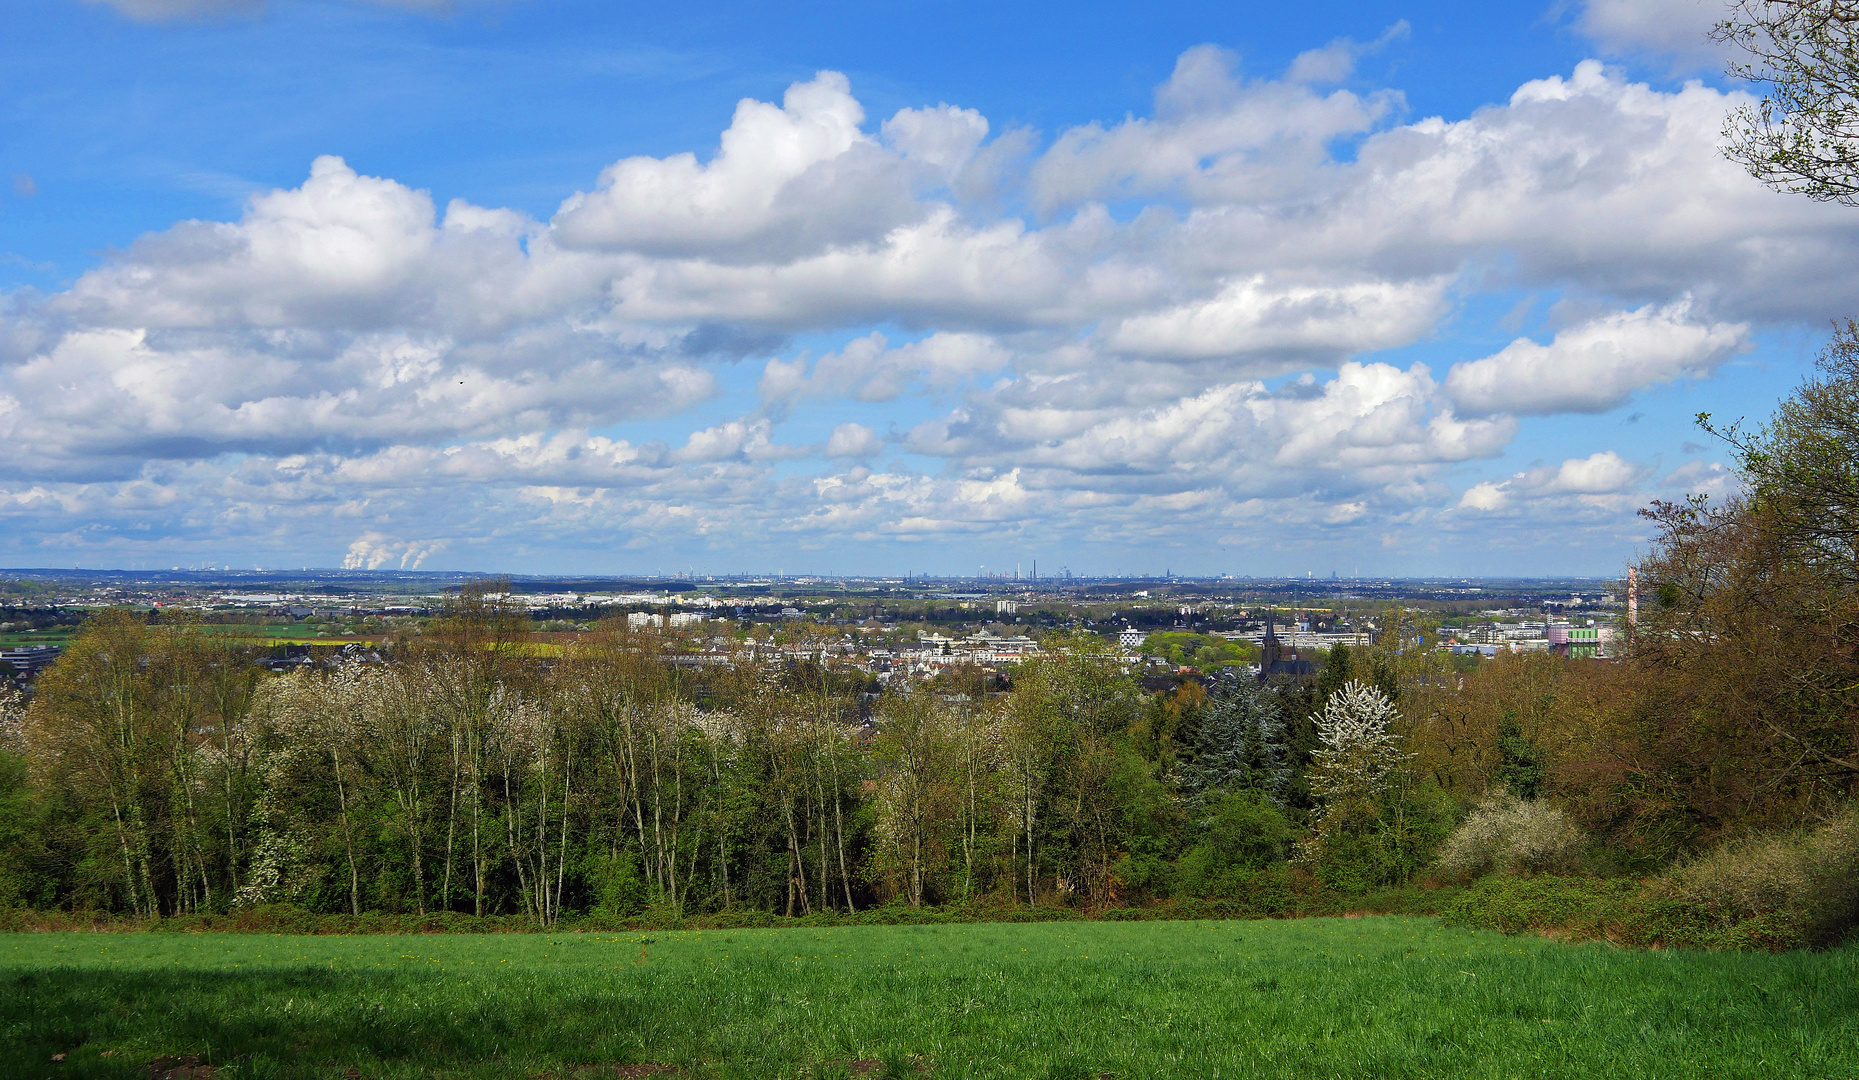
[(1273, 326), (869, 369), (346, 358), (1596, 365), (785, 181), (1603, 479), (853, 441), (1213, 137)]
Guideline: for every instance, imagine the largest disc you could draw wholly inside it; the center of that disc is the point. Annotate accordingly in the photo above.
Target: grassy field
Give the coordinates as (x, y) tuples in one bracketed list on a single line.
[(1371, 997), (38, 637)]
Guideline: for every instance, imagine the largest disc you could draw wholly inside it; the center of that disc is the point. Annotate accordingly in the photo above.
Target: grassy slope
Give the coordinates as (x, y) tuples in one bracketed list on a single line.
[(1371, 997)]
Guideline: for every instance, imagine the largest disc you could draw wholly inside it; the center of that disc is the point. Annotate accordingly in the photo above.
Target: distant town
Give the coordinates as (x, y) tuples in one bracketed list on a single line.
[(906, 628)]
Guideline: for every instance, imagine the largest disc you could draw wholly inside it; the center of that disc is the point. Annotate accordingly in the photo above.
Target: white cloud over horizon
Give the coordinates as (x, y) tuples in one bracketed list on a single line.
[(1175, 328)]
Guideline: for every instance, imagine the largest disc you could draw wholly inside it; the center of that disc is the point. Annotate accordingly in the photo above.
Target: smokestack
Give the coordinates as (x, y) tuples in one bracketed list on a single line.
[(1633, 596)]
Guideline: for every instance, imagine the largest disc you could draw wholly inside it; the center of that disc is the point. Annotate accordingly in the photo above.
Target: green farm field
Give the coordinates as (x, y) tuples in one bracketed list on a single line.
[(1369, 997), (40, 637)]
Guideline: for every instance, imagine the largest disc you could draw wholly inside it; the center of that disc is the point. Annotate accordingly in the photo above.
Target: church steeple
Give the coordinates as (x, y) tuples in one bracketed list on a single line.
[(1269, 650)]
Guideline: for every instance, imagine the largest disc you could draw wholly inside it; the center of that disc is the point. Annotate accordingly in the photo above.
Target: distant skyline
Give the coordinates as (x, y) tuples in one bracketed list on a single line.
[(1404, 290), (204, 575)]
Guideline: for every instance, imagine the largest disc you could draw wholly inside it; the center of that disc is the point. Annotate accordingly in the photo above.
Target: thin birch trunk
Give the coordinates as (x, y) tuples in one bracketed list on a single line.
[(477, 823), (129, 871), (516, 856), (1032, 895), (451, 829), (561, 860), (348, 837), (839, 832)]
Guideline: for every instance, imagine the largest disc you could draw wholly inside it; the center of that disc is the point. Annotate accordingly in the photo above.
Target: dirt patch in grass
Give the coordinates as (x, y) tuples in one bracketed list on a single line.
[(178, 1067)]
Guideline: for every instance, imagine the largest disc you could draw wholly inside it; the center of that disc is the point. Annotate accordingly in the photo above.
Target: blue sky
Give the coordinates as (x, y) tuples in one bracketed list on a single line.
[(1209, 288)]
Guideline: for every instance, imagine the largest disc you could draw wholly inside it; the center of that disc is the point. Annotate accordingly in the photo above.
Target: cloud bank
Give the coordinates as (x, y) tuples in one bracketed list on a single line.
[(1170, 329)]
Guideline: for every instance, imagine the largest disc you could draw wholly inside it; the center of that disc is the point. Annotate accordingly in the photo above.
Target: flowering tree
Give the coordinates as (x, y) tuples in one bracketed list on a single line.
[(1357, 748), (12, 720), (1362, 830)]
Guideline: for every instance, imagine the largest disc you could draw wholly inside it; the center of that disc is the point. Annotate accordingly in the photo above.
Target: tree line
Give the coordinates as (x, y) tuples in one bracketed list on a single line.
[(157, 771)]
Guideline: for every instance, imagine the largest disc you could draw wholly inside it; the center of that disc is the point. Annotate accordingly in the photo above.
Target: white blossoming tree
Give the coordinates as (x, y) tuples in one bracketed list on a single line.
[(12, 719), (1357, 747), (1357, 774)]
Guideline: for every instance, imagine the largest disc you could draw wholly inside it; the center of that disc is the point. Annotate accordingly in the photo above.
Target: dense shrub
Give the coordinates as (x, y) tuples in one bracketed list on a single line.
[(1623, 911), (1772, 892), (1391, 847), (1142, 877), (1805, 882), (1240, 833), (1580, 907), (1511, 835)]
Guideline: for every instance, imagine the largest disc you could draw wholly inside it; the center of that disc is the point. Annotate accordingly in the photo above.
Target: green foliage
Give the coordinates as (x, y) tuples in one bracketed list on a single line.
[(1464, 663), (1621, 911), (1338, 670), (1204, 651), (1802, 56), (1520, 761), (165, 779), (1377, 821), (618, 888), (1149, 817), (1394, 840), (1239, 745), (1169, 725), (1775, 892), (1266, 999), (1583, 907), (1745, 671), (1239, 833), (22, 881), (1342, 666)]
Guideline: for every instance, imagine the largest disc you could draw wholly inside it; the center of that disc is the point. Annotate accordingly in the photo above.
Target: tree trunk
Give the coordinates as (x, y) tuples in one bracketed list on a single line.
[(348, 837), (451, 828), (839, 831)]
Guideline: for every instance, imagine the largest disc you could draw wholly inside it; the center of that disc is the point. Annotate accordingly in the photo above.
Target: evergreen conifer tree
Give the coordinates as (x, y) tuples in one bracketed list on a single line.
[(1239, 744)]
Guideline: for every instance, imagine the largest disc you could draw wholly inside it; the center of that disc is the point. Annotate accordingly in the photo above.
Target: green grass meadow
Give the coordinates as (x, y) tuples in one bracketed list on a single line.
[(1369, 997)]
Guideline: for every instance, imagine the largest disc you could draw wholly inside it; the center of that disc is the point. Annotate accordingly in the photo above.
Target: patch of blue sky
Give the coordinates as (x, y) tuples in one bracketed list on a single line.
[(521, 104)]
